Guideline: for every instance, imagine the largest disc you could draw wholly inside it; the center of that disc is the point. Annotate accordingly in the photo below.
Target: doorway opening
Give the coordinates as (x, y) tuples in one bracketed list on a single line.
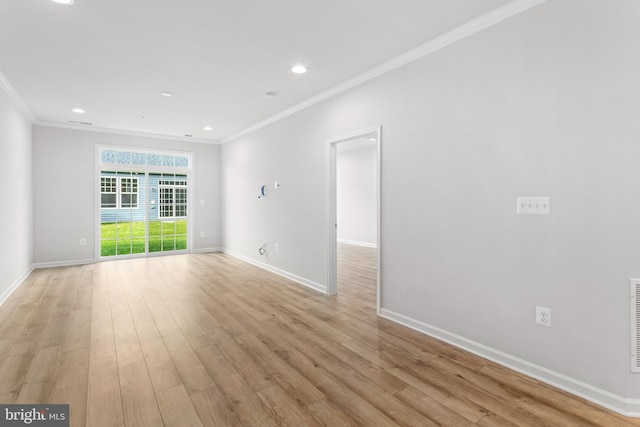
[(143, 206), (353, 227)]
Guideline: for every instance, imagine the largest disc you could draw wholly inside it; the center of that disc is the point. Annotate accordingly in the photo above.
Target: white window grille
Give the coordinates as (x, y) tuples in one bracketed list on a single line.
[(108, 192), (129, 193), (173, 199)]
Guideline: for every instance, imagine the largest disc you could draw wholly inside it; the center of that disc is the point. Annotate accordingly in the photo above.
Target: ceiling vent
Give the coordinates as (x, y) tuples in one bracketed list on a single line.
[(634, 285)]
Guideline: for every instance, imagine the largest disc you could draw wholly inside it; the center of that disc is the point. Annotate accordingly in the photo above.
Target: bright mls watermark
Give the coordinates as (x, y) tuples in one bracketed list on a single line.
[(34, 415)]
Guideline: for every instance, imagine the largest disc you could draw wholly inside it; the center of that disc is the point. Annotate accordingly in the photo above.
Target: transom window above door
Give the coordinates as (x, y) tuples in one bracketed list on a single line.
[(115, 156)]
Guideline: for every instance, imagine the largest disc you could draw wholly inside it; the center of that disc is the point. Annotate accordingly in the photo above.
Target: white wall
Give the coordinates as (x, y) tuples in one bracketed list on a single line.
[(545, 103), (16, 214), (356, 178), (65, 199)]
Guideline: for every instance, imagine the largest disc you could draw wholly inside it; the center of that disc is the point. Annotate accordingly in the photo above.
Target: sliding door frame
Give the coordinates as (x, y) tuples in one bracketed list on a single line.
[(147, 170)]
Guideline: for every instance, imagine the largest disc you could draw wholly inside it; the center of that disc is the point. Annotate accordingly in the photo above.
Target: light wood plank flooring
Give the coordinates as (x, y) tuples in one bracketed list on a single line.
[(207, 340)]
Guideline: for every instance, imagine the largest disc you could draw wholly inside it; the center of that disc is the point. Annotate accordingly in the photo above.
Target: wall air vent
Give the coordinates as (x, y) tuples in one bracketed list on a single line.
[(75, 122), (634, 285)]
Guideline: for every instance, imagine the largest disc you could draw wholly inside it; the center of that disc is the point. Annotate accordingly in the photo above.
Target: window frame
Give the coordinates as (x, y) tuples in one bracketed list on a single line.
[(102, 192), (119, 193), (135, 185), (173, 185)]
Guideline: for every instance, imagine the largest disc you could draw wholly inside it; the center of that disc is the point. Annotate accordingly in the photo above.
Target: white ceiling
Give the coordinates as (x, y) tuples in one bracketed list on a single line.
[(218, 58)]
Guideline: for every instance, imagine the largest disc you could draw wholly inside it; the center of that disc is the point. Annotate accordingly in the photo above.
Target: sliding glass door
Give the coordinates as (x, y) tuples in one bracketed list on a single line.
[(144, 202)]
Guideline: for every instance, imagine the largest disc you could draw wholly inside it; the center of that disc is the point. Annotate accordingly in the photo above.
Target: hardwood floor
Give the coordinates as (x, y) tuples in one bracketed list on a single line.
[(208, 340)]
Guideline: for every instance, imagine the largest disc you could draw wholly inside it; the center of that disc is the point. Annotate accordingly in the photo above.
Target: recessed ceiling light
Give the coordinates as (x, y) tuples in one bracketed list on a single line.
[(167, 94), (299, 69), (78, 111), (207, 128), (67, 2)]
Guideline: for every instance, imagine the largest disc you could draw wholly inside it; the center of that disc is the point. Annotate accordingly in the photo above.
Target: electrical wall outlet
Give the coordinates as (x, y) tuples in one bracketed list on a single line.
[(276, 248), (202, 234), (83, 242), (543, 316)]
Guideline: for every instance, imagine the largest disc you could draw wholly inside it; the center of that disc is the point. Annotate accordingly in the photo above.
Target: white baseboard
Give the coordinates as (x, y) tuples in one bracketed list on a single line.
[(92, 261), (15, 285), (616, 403), (619, 404), (301, 280), (356, 243), (64, 263), (207, 250)]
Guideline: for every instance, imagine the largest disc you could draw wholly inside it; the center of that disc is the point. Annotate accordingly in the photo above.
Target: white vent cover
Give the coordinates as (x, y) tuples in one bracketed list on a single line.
[(635, 324)]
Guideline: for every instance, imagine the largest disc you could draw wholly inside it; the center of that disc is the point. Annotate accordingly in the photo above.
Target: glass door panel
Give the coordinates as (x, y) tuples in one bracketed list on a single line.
[(122, 213), (167, 212)]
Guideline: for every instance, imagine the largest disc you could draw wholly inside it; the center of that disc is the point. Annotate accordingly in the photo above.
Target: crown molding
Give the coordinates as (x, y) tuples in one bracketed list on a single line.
[(125, 132), (478, 24), (487, 20), (11, 92)]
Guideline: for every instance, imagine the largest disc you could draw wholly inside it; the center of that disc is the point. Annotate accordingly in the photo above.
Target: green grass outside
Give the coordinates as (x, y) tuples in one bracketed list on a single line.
[(127, 238)]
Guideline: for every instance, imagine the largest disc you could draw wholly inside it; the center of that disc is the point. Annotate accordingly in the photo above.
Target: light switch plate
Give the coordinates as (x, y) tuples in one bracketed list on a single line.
[(534, 205)]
